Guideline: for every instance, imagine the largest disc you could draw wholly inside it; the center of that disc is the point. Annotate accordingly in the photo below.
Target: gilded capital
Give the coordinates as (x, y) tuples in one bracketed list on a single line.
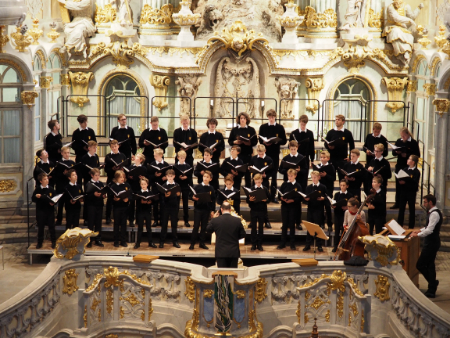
[(3, 39), (28, 97), (442, 106), (395, 87), (160, 83), (45, 81), (314, 86), (80, 83), (65, 80), (412, 86), (429, 89)]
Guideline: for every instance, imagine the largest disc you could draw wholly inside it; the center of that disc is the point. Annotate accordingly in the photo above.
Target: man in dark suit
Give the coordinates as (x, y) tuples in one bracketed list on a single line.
[(228, 231)]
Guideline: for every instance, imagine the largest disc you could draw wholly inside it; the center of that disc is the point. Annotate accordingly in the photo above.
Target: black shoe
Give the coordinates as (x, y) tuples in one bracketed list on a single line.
[(298, 227), (320, 249), (99, 243), (281, 246), (58, 223), (176, 245), (334, 250), (260, 248), (395, 206), (124, 244), (430, 294), (191, 247), (89, 245), (203, 246), (155, 224), (54, 246), (137, 246), (307, 248), (39, 246), (253, 247), (116, 244), (187, 225), (152, 245), (268, 226), (108, 221), (275, 200), (161, 245)]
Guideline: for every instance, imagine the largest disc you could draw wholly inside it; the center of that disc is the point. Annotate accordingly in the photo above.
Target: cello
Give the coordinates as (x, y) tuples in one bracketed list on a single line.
[(350, 245)]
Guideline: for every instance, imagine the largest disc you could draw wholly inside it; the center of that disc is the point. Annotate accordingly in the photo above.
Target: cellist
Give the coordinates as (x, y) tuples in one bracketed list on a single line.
[(353, 205)]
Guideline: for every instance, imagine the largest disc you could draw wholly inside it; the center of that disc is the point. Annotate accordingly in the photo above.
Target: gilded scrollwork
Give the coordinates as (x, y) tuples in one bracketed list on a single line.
[(28, 97), (7, 186), (375, 19), (261, 292), (381, 249), (190, 289), (442, 106), (70, 281), (327, 19), (154, 16), (382, 288), (395, 87), (105, 14), (80, 83)]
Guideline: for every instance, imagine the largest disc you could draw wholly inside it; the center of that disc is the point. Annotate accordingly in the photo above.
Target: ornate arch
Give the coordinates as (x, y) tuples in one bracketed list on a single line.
[(435, 61), (370, 85), (20, 67), (41, 55), (104, 83), (416, 62)]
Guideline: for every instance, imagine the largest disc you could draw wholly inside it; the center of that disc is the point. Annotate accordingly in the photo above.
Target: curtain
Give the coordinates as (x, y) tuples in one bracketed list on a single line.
[(352, 112)]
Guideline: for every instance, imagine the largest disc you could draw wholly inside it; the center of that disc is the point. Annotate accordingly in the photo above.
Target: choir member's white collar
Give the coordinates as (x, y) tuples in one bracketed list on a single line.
[(315, 185), (54, 133), (342, 129), (46, 187), (137, 165), (118, 183), (409, 140), (210, 162), (181, 163), (72, 184), (296, 155), (322, 165), (92, 180), (150, 129), (256, 187), (413, 168), (378, 191), (234, 159), (95, 154), (357, 161), (272, 125), (144, 190), (212, 132), (115, 153), (182, 129), (345, 193), (263, 156), (81, 129), (239, 126), (379, 135), (302, 131), (205, 185), (48, 162), (432, 209), (66, 159), (157, 162), (168, 183), (226, 189), (379, 158), (293, 183), (126, 127)]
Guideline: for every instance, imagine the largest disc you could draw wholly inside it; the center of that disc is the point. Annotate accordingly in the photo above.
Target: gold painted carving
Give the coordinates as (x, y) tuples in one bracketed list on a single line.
[(261, 288), (104, 14), (354, 287), (190, 289), (362, 320), (21, 41), (112, 276), (395, 87), (95, 303), (72, 242), (340, 304), (35, 32), (28, 97), (53, 34), (156, 16), (381, 249), (70, 282), (429, 89), (440, 39), (8, 185), (337, 281), (327, 316), (122, 313), (424, 41), (173, 50), (132, 299), (412, 86), (121, 52), (45, 81), (442, 106), (299, 312), (314, 86), (354, 311), (160, 83), (375, 19), (209, 293), (3, 38), (318, 302), (382, 288), (109, 300), (319, 20), (80, 83), (112, 335), (240, 294), (65, 80), (85, 316)]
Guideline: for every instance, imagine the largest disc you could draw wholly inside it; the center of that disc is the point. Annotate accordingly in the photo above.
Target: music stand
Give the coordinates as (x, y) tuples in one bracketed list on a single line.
[(316, 231)]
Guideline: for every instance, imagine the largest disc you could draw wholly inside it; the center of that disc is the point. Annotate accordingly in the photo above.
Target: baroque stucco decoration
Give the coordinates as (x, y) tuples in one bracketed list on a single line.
[(260, 15), (161, 84), (80, 83), (395, 87), (287, 91), (188, 88)]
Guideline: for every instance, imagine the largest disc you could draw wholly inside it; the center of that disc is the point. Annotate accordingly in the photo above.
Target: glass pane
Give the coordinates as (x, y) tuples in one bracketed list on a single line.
[(55, 102), (37, 63), (37, 107), (11, 76), (49, 64), (12, 150), (2, 68), (56, 78), (11, 95), (37, 129), (55, 61), (11, 123)]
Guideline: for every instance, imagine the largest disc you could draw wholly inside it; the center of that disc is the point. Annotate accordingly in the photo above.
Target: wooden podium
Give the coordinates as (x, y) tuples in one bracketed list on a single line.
[(409, 253)]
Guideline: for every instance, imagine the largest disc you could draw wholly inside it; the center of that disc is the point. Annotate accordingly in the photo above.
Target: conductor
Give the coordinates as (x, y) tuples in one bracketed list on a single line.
[(228, 231)]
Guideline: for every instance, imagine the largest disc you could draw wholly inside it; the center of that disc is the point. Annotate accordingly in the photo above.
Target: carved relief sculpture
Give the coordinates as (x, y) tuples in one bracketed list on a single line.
[(21, 39), (399, 18), (185, 18), (81, 26), (314, 85), (395, 87), (290, 21), (73, 242), (287, 90), (442, 106), (354, 17), (80, 83), (124, 14), (188, 86), (160, 83), (28, 97)]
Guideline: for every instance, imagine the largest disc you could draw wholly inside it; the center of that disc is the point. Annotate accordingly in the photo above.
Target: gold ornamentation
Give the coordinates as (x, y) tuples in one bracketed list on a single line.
[(412, 86), (121, 52), (429, 89), (160, 83), (395, 87), (173, 51), (62, 57), (306, 318), (434, 65), (354, 310), (317, 303), (327, 316), (442, 106), (150, 309), (340, 304), (337, 281), (209, 293), (362, 320), (381, 249), (156, 16), (440, 39), (35, 32), (95, 303), (122, 312), (8, 185), (28, 97), (70, 282), (240, 294), (382, 285), (299, 312), (21, 41), (53, 34), (314, 20), (104, 14), (190, 289), (65, 80), (109, 301), (85, 316), (72, 242), (80, 83), (3, 38), (112, 276), (111, 335), (185, 17), (45, 81), (424, 41), (261, 286), (314, 86), (354, 287), (132, 299), (375, 19)]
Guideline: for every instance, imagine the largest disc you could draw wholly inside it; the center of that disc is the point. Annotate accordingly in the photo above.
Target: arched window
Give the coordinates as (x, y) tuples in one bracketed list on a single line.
[(350, 100), (10, 108), (54, 69), (122, 97), (37, 71), (422, 103)]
